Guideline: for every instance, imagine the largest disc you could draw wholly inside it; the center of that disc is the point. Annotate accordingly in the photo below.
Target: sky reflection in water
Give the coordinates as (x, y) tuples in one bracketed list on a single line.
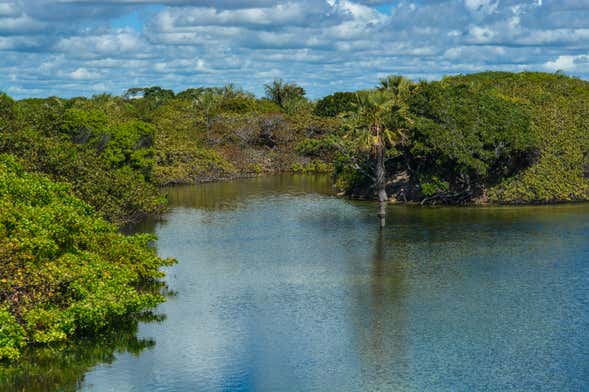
[(282, 287)]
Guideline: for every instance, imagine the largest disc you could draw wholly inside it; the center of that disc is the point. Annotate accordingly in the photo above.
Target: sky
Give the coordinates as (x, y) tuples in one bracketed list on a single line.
[(86, 47)]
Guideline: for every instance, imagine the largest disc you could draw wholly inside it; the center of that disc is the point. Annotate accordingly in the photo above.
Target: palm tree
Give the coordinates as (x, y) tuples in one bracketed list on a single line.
[(207, 102), (376, 128), (397, 85), (280, 92)]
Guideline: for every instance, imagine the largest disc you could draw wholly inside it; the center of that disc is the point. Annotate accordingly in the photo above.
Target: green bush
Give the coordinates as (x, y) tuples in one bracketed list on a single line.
[(466, 138), (43, 115), (6, 111), (337, 103), (559, 109), (121, 195), (315, 166), (65, 271), (130, 144), (322, 147), (12, 336)]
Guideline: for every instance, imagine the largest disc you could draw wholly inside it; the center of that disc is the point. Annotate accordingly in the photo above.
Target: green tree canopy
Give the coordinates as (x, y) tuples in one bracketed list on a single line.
[(336, 103), (466, 137), (65, 271), (281, 92)]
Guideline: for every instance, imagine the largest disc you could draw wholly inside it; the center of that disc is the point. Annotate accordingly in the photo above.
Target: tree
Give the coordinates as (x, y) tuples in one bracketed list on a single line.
[(281, 92), (375, 129), (154, 93), (397, 85), (335, 104), (6, 110), (464, 141), (207, 102)]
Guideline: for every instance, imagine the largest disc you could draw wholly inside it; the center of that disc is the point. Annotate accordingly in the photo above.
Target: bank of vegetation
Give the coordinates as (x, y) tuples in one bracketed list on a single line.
[(72, 171)]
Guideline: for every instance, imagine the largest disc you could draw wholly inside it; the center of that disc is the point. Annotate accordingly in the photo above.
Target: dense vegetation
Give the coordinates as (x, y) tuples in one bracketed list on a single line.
[(65, 271), (558, 107), (74, 170), (490, 137)]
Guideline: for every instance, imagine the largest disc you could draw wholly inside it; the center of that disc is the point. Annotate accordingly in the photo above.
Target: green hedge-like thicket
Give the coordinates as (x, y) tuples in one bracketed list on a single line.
[(65, 271)]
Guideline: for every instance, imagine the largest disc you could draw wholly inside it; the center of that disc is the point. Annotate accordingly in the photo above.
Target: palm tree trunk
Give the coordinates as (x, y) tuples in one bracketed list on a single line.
[(380, 184)]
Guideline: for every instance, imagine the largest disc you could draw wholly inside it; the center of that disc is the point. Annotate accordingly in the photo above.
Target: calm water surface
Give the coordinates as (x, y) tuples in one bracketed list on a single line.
[(282, 287)]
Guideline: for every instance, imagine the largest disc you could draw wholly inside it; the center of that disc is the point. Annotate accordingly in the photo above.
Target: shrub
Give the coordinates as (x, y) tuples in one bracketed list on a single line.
[(65, 271), (337, 103), (121, 194), (467, 138)]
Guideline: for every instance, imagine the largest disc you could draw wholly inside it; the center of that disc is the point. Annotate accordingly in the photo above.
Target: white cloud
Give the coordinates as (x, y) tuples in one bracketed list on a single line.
[(567, 63), (84, 74), (71, 47)]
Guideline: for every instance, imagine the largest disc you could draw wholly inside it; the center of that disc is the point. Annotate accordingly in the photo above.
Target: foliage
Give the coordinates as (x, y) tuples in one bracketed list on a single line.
[(65, 271), (559, 110), (43, 115), (467, 138), (120, 194), (335, 104), (323, 147), (503, 137), (298, 106), (6, 110), (398, 86), (130, 144), (509, 138), (282, 93), (154, 93), (377, 110), (12, 335), (117, 109), (181, 156), (82, 125), (432, 185)]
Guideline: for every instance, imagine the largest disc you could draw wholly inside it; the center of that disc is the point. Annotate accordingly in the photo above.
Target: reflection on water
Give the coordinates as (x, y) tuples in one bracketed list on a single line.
[(62, 367), (235, 194), (282, 287)]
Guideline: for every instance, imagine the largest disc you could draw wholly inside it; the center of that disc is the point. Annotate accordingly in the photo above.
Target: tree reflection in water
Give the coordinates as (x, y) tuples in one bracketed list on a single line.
[(383, 344), (62, 368)]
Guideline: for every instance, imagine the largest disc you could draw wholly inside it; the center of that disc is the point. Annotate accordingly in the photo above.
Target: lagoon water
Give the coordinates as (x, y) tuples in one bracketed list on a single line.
[(281, 286)]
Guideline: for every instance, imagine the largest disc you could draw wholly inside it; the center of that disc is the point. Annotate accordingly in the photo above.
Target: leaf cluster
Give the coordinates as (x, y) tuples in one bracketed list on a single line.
[(65, 270)]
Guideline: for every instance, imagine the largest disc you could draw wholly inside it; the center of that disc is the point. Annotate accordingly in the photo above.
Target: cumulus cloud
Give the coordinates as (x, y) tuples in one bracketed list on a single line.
[(80, 47), (568, 63), (84, 74)]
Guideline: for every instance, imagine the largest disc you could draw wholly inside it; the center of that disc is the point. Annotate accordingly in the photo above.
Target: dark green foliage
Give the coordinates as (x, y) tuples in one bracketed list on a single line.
[(84, 126), (191, 93), (154, 93), (96, 144), (130, 144), (496, 136), (43, 115), (283, 93), (65, 271), (467, 138), (120, 194), (7, 114), (320, 148), (337, 103), (559, 108)]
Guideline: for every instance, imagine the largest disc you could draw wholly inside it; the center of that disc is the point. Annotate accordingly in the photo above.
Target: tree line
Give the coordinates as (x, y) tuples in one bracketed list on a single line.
[(73, 171)]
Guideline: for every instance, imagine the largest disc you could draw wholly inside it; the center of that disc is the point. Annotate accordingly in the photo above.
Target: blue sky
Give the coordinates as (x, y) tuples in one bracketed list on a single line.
[(86, 47)]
